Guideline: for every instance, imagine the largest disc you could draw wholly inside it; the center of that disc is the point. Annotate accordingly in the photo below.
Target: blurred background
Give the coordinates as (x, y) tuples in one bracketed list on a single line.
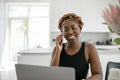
[(31, 26)]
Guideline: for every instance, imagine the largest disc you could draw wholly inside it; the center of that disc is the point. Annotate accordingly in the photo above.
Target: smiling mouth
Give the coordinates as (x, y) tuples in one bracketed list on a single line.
[(71, 37)]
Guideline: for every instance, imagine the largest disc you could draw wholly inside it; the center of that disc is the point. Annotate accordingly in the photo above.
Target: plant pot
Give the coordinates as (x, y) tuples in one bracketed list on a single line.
[(113, 36)]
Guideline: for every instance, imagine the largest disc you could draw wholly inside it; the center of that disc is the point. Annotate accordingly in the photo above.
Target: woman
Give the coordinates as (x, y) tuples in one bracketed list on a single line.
[(75, 53)]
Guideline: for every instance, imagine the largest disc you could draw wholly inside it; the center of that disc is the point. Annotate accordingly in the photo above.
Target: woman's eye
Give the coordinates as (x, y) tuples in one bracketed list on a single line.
[(73, 28), (65, 29)]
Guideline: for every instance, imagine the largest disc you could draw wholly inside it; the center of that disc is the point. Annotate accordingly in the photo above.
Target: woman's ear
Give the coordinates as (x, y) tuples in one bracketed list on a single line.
[(81, 26)]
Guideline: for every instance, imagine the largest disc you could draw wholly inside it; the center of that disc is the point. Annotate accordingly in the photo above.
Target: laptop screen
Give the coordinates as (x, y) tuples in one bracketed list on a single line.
[(37, 72)]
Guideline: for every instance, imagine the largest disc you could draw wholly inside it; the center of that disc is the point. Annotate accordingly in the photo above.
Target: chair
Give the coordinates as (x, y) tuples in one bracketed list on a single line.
[(109, 66)]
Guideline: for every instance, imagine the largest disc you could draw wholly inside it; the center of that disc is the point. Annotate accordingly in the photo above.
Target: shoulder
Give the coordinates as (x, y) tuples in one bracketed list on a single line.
[(90, 46), (90, 49)]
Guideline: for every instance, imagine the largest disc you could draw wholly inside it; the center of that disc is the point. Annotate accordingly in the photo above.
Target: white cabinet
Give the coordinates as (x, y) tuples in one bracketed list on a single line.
[(35, 59), (35, 56)]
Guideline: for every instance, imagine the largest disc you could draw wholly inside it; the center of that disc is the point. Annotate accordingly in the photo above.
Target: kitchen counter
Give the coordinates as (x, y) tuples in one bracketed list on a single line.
[(107, 46), (100, 48), (108, 51), (37, 50), (113, 49)]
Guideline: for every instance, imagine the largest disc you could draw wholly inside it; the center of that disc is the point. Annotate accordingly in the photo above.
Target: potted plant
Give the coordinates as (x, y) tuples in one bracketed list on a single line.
[(111, 16)]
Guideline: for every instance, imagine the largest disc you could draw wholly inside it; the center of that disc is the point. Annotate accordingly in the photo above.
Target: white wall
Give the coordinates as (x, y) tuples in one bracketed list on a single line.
[(1, 28), (60, 7), (89, 10)]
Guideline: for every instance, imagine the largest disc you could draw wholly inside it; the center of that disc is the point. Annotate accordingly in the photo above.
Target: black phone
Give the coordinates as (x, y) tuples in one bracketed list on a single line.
[(61, 42), (62, 34)]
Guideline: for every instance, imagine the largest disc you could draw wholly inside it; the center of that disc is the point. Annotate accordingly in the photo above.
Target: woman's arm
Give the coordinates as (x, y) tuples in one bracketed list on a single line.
[(57, 51), (95, 64), (55, 58)]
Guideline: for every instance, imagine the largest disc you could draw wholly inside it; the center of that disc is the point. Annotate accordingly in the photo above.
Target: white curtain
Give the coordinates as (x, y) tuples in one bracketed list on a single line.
[(2, 29), (4, 49), (5, 60)]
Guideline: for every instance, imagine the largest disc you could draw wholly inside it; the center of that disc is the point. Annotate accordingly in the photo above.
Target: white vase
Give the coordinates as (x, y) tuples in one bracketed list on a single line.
[(113, 36), (119, 47)]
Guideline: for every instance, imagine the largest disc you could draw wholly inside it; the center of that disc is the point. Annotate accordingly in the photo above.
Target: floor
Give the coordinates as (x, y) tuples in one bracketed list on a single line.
[(8, 74)]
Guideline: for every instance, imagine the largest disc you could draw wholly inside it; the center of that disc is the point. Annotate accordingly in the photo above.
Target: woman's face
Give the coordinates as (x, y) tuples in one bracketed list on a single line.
[(71, 31)]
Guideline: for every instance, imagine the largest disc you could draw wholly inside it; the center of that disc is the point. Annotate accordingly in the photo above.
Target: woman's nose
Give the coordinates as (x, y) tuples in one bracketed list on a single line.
[(70, 31)]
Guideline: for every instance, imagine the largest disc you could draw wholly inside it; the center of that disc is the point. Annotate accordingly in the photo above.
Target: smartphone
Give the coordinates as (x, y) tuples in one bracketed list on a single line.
[(61, 41), (62, 34)]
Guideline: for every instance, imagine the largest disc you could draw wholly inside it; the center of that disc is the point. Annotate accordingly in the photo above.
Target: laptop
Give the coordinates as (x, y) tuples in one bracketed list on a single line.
[(36, 72)]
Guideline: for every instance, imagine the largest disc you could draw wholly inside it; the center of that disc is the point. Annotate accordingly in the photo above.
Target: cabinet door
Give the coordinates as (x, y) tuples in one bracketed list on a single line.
[(35, 59)]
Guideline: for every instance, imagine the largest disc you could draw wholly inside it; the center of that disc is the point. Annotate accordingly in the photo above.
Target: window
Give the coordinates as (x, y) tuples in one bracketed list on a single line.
[(28, 25)]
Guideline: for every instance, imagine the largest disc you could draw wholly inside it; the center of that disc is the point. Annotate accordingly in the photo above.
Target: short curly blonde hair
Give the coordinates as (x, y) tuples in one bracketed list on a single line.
[(72, 17)]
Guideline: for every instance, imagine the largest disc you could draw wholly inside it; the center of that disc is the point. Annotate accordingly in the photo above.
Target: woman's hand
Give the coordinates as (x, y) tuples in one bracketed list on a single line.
[(57, 51), (59, 40)]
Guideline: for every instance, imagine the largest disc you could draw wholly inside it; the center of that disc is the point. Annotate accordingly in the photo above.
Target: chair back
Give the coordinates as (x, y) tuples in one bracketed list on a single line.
[(109, 66)]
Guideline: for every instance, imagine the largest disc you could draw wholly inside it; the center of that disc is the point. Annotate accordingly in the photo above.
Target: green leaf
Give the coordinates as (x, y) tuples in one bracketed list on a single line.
[(110, 29), (104, 23), (117, 41)]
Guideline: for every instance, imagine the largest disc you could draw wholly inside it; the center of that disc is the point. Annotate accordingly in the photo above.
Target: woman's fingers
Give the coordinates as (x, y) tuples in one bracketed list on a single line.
[(59, 38)]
